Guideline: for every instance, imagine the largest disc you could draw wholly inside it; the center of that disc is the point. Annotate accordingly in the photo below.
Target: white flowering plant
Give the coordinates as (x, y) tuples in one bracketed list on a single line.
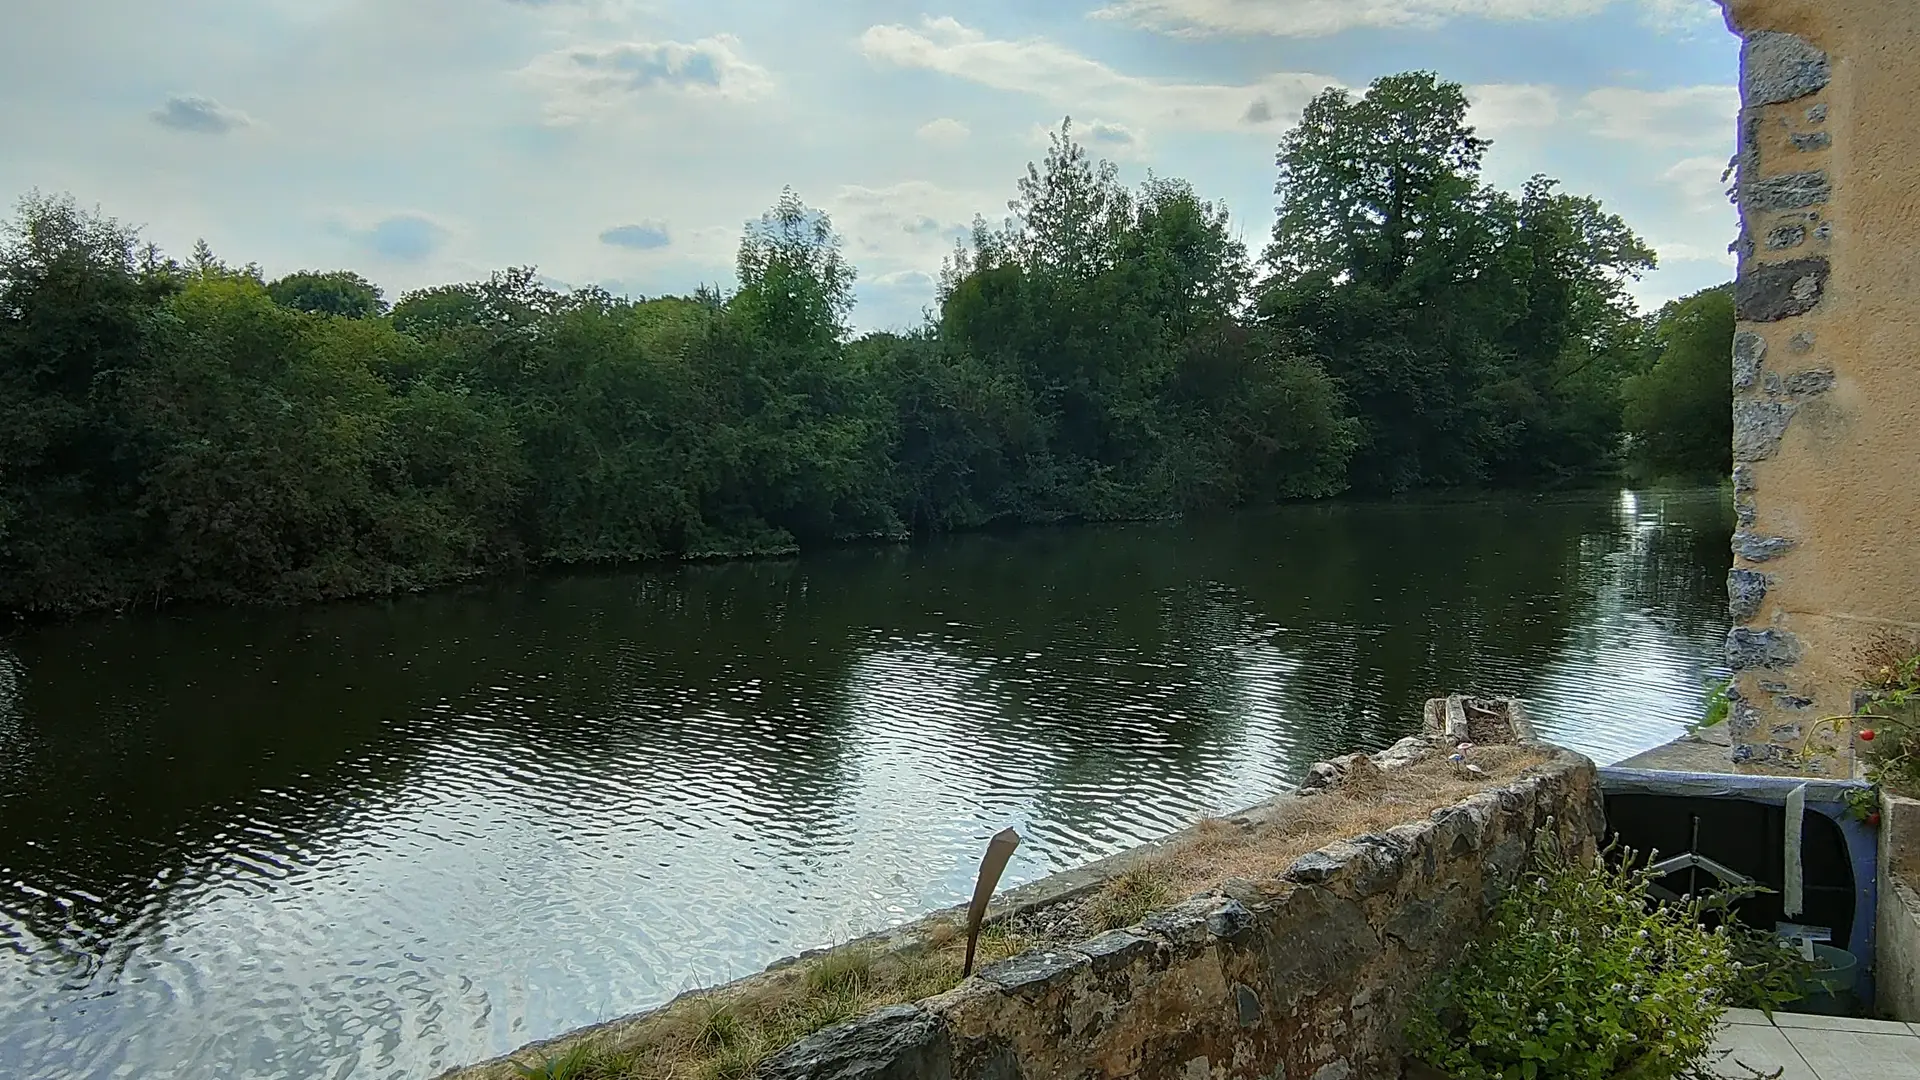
[(1582, 977)]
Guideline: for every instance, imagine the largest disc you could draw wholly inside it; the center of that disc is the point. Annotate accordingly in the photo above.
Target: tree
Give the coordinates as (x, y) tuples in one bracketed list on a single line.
[(1365, 181), (1680, 410), (338, 292), (794, 284), (79, 307), (1475, 335)]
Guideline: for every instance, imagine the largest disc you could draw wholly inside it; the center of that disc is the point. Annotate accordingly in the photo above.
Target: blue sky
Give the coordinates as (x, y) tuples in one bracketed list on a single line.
[(626, 142)]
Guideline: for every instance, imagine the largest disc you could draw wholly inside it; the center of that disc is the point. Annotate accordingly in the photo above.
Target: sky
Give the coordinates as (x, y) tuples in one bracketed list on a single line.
[(626, 143)]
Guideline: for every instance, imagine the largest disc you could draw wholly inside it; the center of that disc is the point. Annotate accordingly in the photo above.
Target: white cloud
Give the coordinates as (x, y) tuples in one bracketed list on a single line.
[(943, 132), (198, 115), (904, 227), (583, 81), (1701, 183), (1320, 18), (1075, 83), (1497, 108), (408, 237), (1689, 116)]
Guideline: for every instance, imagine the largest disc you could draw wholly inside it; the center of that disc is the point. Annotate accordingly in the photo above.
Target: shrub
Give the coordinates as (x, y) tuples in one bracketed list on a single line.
[(1580, 977), (1890, 726)]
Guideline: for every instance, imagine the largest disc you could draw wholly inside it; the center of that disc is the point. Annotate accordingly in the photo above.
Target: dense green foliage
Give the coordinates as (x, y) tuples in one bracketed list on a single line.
[(1477, 335), (1680, 410), (194, 431), (1580, 976)]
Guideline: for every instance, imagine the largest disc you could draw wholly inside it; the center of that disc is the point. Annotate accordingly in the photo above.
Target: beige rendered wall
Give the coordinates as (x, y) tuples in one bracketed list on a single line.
[(1826, 366)]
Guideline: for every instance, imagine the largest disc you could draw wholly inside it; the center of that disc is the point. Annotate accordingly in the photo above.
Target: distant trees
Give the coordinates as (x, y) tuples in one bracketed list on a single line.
[(1477, 336), (1680, 409), (191, 431), (339, 292)]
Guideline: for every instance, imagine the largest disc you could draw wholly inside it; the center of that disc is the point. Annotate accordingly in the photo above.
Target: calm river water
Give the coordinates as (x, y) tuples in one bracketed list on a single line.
[(377, 840)]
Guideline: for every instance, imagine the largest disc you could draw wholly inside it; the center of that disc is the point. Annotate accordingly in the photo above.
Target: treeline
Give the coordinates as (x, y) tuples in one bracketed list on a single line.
[(188, 430)]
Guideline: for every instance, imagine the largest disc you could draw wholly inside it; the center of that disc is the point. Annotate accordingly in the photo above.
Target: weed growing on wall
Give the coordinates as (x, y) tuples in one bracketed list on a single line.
[(1890, 730), (1581, 977)]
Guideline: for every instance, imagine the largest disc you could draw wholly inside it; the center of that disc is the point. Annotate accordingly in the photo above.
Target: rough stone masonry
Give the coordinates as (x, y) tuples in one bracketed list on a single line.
[(1311, 980), (1826, 368)]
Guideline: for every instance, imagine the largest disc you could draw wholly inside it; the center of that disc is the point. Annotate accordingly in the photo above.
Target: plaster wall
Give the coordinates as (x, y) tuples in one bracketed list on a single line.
[(1826, 368)]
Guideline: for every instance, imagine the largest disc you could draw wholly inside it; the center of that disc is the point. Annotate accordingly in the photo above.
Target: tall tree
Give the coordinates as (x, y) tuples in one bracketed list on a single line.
[(794, 283), (1472, 332), (1364, 182)]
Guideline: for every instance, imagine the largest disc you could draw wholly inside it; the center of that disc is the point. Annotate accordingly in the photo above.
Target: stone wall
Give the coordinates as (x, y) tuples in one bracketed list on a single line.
[(1312, 980), (1826, 365), (1896, 947)]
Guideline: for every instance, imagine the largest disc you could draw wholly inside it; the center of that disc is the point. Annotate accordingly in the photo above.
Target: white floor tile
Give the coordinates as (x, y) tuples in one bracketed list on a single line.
[(1760, 1048), (1804, 1022), (1851, 1055)]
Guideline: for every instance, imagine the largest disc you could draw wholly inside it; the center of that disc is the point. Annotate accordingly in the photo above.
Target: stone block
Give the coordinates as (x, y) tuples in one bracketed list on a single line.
[(1743, 479), (1786, 236), (1246, 1005), (1774, 291), (1755, 548), (1746, 590), (1115, 950), (1810, 383), (1199, 921), (1423, 924), (1405, 752), (1316, 867), (1770, 650), (1801, 342), (1758, 427), (1812, 140), (1458, 830), (1031, 974), (1787, 191), (1315, 940), (1777, 67), (1749, 352), (900, 1042)]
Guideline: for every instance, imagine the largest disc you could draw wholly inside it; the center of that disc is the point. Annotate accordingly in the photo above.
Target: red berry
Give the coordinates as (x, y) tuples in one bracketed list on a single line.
[(1867, 735), (1873, 819)]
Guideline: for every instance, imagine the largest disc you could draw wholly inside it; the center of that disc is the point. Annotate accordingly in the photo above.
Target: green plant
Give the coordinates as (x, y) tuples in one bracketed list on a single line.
[(841, 972), (1772, 971), (1863, 804), (1143, 887), (1891, 744), (1719, 703), (570, 1065), (1582, 977), (720, 1029)]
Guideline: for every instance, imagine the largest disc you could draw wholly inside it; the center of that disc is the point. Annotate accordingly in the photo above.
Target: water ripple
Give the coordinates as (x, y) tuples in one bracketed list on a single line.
[(378, 840)]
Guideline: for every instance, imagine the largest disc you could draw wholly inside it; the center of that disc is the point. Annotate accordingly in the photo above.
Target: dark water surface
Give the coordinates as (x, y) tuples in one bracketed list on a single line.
[(377, 840)]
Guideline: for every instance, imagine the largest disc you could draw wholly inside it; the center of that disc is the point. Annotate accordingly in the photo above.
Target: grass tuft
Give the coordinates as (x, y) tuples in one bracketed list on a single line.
[(842, 971), (1143, 887), (571, 1064)]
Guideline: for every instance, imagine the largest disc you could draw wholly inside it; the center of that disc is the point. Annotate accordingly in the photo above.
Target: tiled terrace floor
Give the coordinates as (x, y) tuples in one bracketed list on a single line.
[(1819, 1047)]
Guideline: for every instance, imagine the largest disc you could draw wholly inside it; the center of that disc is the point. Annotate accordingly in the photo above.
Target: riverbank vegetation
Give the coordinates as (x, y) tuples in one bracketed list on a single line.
[(189, 430)]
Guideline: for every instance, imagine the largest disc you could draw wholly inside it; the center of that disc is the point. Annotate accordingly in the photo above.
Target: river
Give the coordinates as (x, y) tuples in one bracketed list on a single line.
[(380, 839)]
